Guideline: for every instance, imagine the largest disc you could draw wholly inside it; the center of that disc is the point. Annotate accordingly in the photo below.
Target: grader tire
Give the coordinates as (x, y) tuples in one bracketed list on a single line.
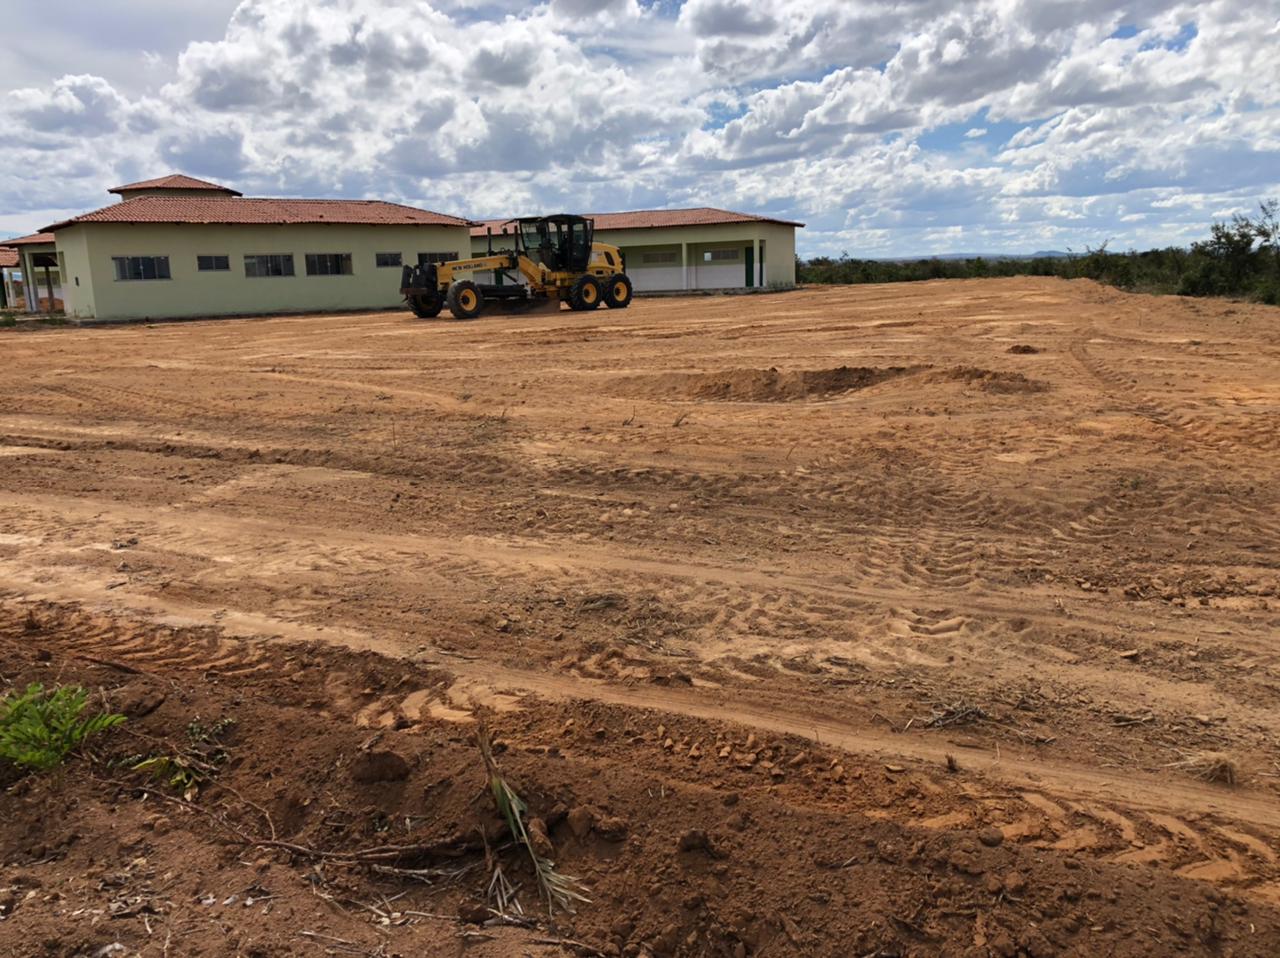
[(618, 291), (465, 301), (426, 305), (585, 293)]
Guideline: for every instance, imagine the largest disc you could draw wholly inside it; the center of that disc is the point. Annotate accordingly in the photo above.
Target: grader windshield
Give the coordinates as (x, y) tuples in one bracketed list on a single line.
[(561, 243)]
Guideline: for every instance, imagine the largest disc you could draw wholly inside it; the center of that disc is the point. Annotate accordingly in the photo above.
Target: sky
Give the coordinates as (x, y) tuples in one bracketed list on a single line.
[(889, 128)]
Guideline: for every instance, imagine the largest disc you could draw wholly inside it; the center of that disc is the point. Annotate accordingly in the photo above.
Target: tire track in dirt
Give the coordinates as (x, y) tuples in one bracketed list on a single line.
[(1116, 817), (1245, 437), (790, 617), (100, 396), (262, 545)]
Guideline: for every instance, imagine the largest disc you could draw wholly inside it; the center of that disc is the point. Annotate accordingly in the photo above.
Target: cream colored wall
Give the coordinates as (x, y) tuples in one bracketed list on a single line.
[(77, 289), (780, 251), (90, 248)]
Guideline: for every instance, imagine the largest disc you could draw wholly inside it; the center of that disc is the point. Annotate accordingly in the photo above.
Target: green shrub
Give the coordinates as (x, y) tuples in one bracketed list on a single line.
[(8, 319), (39, 728), (1269, 293)]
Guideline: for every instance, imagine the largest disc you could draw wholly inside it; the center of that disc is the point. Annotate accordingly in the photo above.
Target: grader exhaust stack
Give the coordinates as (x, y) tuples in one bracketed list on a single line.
[(554, 261)]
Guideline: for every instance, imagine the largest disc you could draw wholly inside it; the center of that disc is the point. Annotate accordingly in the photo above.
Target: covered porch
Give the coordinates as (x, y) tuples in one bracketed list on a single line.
[(730, 263), (36, 284)]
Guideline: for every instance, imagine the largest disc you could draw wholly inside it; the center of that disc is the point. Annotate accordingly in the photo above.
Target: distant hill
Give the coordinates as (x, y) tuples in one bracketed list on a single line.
[(1039, 254)]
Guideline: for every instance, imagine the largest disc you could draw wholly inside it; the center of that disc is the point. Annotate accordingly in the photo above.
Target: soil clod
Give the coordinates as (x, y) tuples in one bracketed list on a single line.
[(379, 766)]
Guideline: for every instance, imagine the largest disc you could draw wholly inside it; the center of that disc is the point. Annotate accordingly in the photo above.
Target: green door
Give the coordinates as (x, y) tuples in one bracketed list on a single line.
[(751, 265)]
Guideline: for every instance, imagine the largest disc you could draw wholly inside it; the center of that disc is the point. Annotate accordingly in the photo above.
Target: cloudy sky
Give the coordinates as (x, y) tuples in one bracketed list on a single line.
[(890, 128)]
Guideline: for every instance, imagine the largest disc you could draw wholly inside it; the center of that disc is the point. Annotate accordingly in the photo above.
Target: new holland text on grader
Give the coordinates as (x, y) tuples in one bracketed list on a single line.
[(554, 260)]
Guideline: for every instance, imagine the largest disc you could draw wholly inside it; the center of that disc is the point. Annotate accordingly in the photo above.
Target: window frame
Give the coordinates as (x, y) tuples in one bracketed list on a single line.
[(378, 257), (215, 257), (312, 262), (155, 259), (713, 256), (660, 257), (426, 259), (282, 257)]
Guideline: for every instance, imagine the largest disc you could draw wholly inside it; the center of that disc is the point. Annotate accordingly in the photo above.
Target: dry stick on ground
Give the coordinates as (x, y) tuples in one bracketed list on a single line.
[(500, 891), (961, 714), (377, 855), (581, 947)]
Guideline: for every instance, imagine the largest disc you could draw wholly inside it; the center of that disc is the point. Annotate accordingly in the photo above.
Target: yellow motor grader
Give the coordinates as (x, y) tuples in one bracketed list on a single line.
[(553, 261)]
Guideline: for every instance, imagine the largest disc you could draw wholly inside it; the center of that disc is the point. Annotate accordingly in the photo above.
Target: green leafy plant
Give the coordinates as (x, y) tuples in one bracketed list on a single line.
[(189, 767), (177, 770), (39, 727)]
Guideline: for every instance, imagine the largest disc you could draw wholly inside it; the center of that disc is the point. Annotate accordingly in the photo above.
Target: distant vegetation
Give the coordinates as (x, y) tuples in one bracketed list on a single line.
[(1240, 258)]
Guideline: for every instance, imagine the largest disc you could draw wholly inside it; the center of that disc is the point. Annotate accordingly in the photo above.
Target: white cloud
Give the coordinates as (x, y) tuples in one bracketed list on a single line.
[(887, 126)]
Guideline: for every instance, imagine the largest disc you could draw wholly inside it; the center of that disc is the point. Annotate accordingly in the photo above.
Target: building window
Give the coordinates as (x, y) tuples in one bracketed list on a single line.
[(425, 259), (328, 264), (271, 264), (659, 257), (213, 264), (386, 259), (720, 256), (141, 267)]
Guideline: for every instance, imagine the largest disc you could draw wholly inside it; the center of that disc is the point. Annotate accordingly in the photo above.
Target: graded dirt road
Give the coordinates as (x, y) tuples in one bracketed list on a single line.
[(1030, 528)]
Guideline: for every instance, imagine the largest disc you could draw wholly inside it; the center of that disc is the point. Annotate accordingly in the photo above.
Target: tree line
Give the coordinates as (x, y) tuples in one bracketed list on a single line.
[(1240, 259)]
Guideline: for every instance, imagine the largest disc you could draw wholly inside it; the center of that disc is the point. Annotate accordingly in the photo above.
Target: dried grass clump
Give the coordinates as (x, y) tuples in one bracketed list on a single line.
[(1216, 767)]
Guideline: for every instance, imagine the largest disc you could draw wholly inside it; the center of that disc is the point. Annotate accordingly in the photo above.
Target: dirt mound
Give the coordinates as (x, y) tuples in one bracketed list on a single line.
[(765, 385), (989, 380)]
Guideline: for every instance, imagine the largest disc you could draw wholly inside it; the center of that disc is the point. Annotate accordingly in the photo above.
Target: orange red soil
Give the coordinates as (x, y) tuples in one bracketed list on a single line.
[(1026, 525)]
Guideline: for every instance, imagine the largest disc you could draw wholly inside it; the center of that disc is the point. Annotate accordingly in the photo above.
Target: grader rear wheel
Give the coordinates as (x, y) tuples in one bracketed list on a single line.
[(426, 305), (618, 291)]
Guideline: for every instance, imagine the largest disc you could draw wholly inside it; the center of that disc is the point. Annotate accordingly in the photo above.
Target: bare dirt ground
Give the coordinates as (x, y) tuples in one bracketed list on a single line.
[(903, 620)]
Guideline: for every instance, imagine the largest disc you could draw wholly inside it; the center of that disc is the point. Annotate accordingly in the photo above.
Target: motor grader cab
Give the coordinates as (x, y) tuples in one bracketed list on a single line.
[(554, 260)]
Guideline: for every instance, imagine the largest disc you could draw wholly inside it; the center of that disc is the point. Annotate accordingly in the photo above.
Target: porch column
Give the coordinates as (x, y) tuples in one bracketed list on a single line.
[(758, 268), (28, 286), (684, 263)]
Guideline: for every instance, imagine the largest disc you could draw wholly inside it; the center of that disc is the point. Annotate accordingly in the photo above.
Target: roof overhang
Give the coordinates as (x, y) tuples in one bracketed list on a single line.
[(43, 238)]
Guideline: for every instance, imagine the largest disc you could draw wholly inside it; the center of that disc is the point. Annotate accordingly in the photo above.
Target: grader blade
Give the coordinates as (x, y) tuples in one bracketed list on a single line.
[(523, 307)]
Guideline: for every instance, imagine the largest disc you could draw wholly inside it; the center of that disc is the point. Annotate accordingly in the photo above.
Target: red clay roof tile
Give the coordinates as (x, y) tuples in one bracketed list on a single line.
[(261, 211), (176, 181), (32, 240), (8, 257), (655, 219)]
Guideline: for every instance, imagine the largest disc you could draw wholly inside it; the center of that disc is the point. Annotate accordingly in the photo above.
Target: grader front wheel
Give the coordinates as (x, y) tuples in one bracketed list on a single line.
[(465, 301)]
